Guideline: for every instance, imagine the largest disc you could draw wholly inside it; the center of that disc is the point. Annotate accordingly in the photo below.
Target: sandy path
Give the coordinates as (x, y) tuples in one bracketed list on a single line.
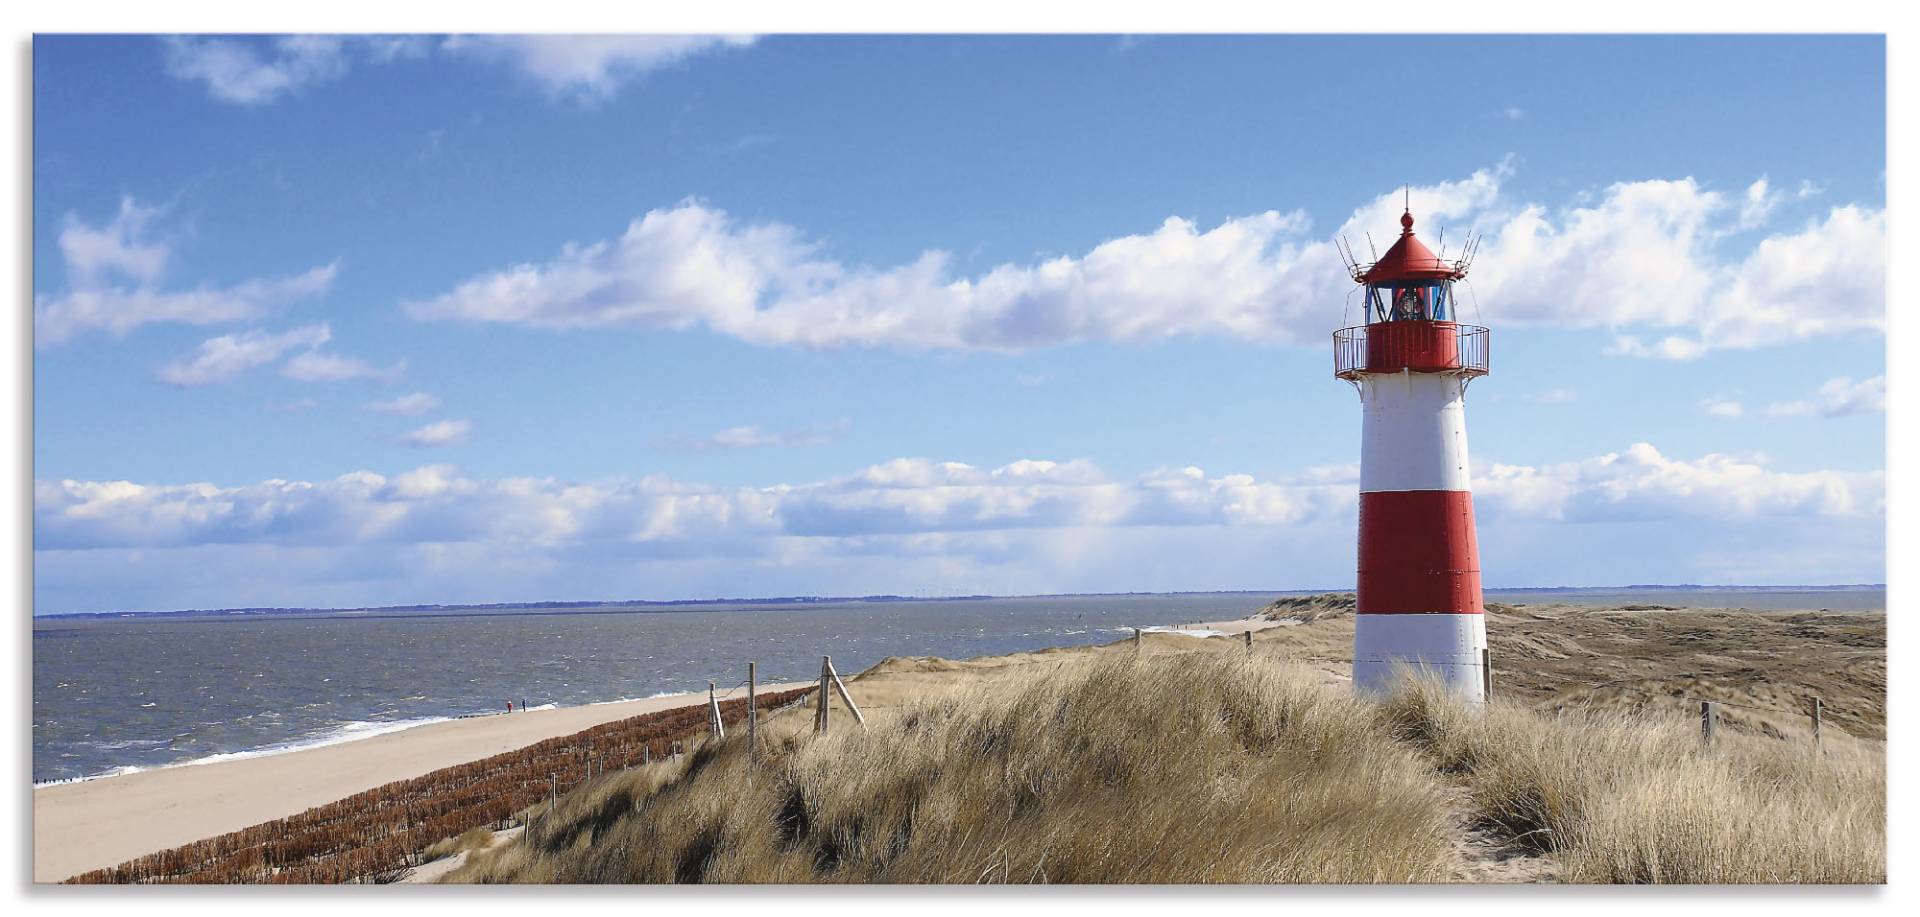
[(429, 873), (95, 823)]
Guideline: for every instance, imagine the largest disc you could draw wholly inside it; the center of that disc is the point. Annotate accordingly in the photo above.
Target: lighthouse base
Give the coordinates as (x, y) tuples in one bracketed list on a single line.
[(1449, 647)]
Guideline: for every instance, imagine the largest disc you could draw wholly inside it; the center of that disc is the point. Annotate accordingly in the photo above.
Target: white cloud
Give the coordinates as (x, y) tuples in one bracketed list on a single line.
[(315, 366), (249, 71), (1838, 398), (1671, 347), (1641, 484), (1759, 202), (384, 49), (438, 433), (911, 525), (227, 356), (1722, 407), (1552, 396), (93, 254), (113, 284), (752, 437), (587, 68), (900, 498), (411, 404), (296, 406), (1650, 255)]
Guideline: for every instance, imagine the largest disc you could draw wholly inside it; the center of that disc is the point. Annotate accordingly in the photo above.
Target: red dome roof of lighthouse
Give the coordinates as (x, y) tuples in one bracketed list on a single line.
[(1409, 259)]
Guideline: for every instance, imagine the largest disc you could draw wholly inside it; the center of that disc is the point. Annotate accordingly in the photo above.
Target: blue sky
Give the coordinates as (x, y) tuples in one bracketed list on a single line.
[(374, 320)]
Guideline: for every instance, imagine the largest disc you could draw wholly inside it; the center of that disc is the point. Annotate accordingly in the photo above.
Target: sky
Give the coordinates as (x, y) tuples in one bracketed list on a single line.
[(344, 321)]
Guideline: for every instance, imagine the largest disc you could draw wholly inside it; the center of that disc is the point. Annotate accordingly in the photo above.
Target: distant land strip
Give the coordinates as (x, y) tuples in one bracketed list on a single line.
[(618, 606)]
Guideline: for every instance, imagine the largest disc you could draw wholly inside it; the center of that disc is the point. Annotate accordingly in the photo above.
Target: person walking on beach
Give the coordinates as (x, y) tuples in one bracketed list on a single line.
[(509, 706)]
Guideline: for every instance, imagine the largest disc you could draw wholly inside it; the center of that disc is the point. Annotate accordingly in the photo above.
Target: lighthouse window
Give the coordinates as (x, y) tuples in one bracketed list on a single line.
[(1408, 305)]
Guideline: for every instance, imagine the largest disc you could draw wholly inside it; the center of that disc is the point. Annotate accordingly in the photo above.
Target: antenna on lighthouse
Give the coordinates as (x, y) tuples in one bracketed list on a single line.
[(1468, 251)]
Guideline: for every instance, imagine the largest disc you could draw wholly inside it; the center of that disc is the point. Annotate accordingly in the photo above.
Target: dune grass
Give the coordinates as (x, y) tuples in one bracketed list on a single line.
[(1620, 797), (1215, 768), (1200, 769), (471, 839)]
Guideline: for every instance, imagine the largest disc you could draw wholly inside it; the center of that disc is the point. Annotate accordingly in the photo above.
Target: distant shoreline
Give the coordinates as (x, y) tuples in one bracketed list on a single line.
[(671, 606)]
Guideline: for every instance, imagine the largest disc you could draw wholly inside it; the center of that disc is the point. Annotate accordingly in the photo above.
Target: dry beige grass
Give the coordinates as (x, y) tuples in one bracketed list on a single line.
[(472, 839), (1191, 763), (1625, 797), (1168, 769)]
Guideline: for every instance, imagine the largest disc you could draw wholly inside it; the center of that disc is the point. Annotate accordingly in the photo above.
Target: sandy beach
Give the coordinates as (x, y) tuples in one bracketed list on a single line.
[(95, 823)]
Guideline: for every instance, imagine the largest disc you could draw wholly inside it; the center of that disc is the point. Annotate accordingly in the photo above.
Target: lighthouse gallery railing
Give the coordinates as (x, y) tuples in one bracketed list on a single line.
[(1389, 347)]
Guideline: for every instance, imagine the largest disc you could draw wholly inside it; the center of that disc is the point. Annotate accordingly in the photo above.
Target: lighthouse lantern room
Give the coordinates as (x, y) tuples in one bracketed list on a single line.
[(1419, 601)]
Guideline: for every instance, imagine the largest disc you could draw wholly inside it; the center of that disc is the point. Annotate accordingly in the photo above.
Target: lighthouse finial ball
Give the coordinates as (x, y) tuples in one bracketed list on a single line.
[(1406, 221)]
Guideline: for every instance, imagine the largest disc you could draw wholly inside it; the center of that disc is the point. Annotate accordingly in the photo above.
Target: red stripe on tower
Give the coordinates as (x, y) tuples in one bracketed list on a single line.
[(1419, 599), (1417, 553)]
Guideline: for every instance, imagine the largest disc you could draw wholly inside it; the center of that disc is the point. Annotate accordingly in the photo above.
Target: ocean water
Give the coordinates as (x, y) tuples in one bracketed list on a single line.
[(120, 694), (110, 695)]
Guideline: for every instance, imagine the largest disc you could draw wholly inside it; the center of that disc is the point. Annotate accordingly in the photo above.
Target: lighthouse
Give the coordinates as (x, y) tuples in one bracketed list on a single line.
[(1419, 602)]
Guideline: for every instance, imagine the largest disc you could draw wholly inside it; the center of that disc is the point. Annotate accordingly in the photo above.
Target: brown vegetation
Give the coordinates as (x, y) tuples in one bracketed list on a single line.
[(377, 835)]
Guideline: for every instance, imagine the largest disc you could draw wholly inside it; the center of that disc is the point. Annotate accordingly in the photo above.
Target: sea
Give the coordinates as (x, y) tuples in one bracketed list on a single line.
[(119, 694)]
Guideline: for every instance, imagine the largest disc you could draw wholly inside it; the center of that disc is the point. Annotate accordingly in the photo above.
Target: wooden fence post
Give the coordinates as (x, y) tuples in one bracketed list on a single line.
[(646, 754), (1136, 639), (1486, 675), (715, 724), (1816, 720), (844, 696), (1706, 723), (820, 708), (1249, 636), (753, 716)]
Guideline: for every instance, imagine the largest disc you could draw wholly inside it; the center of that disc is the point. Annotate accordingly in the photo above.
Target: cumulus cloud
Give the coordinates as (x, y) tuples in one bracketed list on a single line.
[(438, 433), (227, 356), (752, 437), (1642, 484), (114, 273), (1636, 257), (248, 70), (893, 500), (412, 404), (587, 68), (1838, 398), (251, 71)]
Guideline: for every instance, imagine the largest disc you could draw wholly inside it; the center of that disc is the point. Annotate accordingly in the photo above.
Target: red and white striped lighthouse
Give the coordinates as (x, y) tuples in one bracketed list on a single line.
[(1419, 576)]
